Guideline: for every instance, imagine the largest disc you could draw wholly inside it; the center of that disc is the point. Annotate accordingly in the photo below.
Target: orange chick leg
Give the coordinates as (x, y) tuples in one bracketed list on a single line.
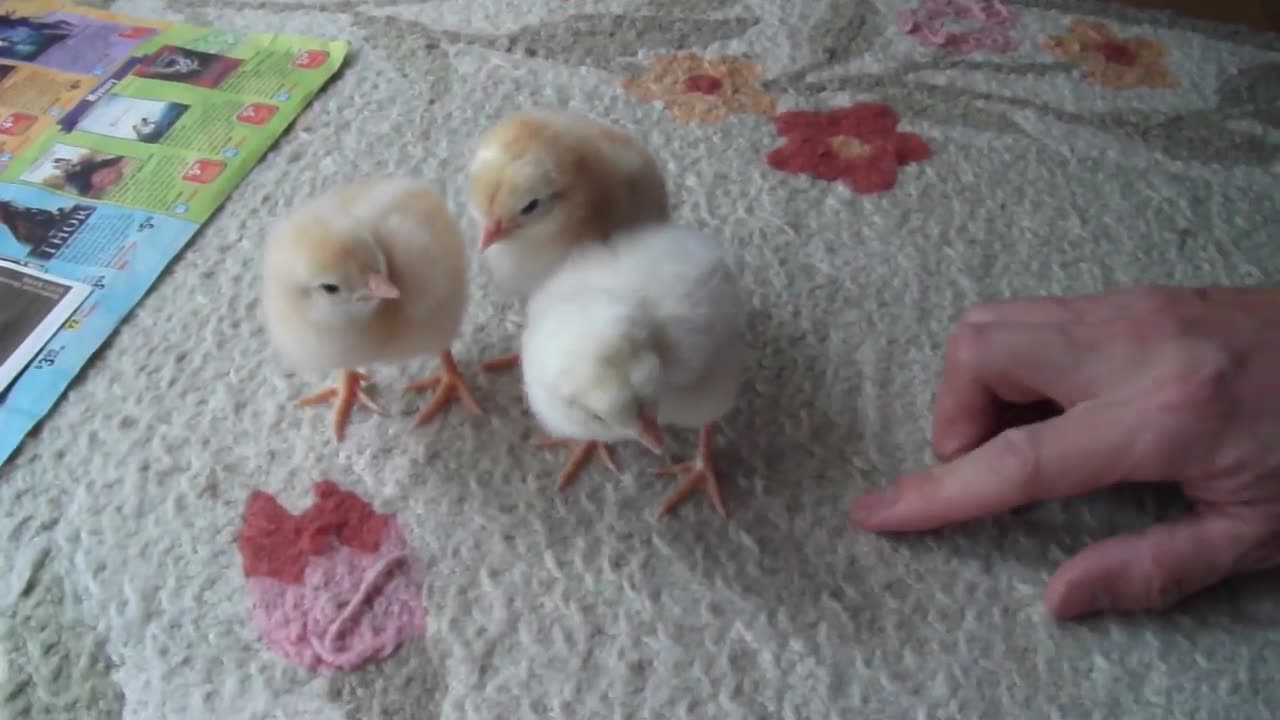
[(697, 474), (344, 395), (448, 384), (583, 452), (501, 363)]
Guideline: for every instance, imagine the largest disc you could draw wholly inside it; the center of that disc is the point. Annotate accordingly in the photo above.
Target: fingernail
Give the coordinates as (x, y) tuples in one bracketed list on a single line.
[(872, 505)]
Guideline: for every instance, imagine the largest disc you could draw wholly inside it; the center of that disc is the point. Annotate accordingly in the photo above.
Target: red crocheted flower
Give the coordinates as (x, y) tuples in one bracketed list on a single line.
[(859, 145), (276, 543)]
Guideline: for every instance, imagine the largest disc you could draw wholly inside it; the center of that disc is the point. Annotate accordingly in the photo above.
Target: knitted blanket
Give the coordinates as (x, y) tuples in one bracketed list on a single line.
[(875, 166)]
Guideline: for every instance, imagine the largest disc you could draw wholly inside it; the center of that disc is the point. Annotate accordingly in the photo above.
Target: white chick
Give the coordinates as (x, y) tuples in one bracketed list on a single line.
[(543, 182), (371, 272), (646, 329)]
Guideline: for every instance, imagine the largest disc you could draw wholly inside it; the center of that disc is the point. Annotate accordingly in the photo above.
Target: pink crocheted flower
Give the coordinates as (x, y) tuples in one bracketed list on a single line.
[(358, 597), (962, 26)]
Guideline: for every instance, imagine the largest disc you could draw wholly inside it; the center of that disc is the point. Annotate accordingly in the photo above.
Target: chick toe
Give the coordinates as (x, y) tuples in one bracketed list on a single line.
[(344, 395), (501, 363), (583, 452), (448, 384), (697, 474)]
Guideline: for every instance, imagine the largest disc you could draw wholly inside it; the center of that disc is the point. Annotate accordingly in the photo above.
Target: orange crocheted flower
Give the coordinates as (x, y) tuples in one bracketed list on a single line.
[(697, 89), (1109, 60)]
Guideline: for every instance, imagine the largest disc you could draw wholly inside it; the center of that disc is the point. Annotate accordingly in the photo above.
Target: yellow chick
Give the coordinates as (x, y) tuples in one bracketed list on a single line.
[(371, 272), (543, 182)]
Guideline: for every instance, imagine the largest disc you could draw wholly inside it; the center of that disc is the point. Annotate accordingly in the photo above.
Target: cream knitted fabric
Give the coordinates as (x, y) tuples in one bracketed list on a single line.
[(1084, 161)]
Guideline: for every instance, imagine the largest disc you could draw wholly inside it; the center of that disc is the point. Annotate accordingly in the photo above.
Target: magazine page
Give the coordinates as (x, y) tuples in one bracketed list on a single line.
[(119, 138), (33, 305)]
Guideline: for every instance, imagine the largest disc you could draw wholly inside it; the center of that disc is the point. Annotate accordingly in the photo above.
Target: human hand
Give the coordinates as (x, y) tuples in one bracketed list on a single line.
[(1155, 385)]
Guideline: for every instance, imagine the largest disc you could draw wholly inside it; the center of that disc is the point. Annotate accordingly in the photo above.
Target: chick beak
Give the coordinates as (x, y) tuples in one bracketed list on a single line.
[(650, 436), (380, 286), (492, 233)]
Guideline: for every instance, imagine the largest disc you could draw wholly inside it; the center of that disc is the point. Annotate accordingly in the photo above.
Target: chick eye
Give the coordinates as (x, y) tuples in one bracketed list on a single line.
[(530, 207), (329, 288)]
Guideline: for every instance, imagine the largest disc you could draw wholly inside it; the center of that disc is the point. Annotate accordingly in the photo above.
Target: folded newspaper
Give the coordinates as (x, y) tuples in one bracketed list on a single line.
[(119, 137)]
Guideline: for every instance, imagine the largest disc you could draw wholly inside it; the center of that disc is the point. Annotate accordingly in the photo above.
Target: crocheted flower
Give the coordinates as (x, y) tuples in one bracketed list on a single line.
[(334, 587), (859, 145), (961, 26), (275, 543), (1109, 60), (697, 89)]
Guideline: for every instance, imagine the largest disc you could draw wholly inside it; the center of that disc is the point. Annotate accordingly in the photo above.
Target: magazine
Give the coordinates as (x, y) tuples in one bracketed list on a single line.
[(33, 305), (119, 138)]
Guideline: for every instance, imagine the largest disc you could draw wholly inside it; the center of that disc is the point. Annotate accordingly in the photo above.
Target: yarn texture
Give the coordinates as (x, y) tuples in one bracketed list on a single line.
[(1105, 146), (334, 587)]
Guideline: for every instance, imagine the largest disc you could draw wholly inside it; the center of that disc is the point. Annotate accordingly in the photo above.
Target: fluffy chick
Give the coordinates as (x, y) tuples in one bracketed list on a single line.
[(647, 329), (371, 272), (543, 182)]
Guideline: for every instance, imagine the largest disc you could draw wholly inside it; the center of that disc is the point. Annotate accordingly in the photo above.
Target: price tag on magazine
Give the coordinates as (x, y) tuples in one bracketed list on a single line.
[(33, 305)]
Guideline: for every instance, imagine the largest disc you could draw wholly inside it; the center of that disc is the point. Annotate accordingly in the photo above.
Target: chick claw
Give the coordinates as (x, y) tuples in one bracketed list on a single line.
[(448, 384), (501, 363), (696, 474), (345, 395), (583, 450)]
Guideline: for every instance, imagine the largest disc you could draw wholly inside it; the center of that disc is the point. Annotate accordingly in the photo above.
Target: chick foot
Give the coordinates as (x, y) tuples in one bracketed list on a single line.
[(344, 395), (583, 451), (448, 384), (501, 363), (696, 474)]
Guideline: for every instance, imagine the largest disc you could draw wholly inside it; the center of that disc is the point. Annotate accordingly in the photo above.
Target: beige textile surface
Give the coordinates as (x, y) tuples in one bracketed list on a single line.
[(1111, 161)]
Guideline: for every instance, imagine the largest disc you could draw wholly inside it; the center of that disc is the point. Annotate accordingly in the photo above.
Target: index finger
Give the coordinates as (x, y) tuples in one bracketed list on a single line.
[(1088, 447)]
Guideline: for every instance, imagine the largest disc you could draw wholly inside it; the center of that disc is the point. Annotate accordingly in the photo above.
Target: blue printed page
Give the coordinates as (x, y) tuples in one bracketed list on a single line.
[(117, 251), (119, 137)]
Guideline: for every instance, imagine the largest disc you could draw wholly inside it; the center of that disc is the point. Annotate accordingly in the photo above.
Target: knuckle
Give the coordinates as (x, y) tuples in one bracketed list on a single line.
[(1156, 329), (1015, 462), (1161, 588), (1199, 385)]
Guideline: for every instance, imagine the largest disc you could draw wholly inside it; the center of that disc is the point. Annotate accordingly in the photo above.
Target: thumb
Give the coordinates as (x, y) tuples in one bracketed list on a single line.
[(1149, 570)]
